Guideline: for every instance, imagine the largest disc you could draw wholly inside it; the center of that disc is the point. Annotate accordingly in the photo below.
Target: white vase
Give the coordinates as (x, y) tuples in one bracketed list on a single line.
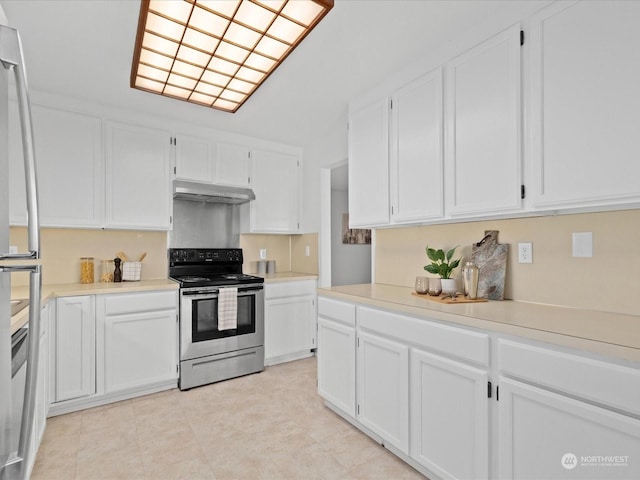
[(449, 286)]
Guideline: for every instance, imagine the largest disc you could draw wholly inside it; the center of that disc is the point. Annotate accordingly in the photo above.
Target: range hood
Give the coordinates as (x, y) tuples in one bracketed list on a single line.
[(204, 192)]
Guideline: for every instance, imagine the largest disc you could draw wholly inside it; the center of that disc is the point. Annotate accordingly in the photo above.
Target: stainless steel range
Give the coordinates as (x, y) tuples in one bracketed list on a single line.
[(209, 350)]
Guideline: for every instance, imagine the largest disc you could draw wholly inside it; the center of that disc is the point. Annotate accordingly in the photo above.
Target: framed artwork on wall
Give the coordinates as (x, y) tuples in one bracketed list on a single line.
[(354, 236)]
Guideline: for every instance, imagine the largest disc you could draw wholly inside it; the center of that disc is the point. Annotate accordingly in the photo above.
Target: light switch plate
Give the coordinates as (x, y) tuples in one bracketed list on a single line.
[(307, 251), (583, 244)]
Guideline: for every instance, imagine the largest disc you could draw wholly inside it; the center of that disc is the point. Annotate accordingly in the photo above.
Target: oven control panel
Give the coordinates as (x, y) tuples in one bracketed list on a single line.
[(183, 256)]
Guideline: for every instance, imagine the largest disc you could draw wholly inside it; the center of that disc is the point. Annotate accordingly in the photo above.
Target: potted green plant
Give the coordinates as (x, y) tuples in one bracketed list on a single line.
[(442, 264)]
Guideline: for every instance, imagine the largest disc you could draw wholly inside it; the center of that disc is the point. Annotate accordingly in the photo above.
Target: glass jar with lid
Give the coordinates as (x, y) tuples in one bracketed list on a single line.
[(86, 270)]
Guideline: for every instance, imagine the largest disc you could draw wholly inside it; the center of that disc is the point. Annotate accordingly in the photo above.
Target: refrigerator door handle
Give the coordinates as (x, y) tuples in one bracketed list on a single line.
[(12, 59), (25, 450)]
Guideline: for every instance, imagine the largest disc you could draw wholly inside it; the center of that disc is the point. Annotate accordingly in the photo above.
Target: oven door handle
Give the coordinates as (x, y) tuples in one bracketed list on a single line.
[(214, 294)]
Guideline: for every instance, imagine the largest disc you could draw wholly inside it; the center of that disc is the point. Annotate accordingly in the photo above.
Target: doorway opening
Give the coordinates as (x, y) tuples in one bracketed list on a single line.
[(340, 263)]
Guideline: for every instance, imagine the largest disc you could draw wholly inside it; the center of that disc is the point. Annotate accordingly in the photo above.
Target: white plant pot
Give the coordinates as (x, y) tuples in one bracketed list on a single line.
[(449, 285)]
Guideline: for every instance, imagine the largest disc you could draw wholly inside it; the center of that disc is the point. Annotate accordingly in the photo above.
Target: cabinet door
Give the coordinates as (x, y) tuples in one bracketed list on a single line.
[(140, 349), (585, 103), (483, 166), (369, 165), (74, 348), (337, 364), (449, 417), (194, 159), (546, 435), (138, 177), (383, 389), (68, 147), (416, 150), (233, 165), (287, 323), (275, 183)]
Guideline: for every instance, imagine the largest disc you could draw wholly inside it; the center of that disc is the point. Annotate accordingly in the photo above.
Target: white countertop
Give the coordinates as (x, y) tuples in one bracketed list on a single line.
[(606, 333), (287, 277), (73, 289)]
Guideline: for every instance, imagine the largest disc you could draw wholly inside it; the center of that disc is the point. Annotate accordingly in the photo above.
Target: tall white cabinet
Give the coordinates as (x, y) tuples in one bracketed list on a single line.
[(275, 182), (584, 104), (138, 177), (483, 130), (68, 148), (369, 165), (416, 150)]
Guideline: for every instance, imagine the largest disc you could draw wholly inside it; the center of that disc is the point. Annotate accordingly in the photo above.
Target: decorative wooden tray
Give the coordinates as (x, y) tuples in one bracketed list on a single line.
[(441, 299)]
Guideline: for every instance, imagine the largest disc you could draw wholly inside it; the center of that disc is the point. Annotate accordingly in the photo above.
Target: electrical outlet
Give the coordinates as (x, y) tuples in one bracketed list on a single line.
[(525, 252), (13, 249), (263, 254), (307, 251)]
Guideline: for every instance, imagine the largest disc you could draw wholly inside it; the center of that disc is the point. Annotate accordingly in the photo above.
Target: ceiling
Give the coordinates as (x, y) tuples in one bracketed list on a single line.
[(83, 49)]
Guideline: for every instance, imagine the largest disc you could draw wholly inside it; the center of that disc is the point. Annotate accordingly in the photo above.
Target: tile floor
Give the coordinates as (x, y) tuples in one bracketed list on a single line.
[(271, 425)]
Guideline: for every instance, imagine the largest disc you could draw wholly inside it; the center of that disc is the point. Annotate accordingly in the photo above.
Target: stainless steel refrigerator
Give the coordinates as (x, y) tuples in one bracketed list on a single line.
[(19, 348)]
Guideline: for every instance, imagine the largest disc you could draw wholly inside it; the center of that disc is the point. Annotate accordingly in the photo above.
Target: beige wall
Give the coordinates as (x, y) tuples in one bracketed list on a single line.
[(299, 260), (609, 281), (287, 250), (62, 249)]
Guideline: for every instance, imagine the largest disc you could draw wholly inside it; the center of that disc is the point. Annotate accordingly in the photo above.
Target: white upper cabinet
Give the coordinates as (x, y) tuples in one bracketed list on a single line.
[(369, 165), (416, 178), (275, 183), (138, 177), (194, 158), (203, 160), (483, 128), (233, 165), (584, 104), (68, 148)]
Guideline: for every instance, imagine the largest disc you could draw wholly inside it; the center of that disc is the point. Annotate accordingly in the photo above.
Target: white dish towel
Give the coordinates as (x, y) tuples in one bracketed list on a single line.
[(228, 308)]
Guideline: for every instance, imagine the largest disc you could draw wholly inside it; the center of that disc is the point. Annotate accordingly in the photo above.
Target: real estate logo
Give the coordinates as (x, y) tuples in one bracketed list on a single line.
[(569, 461)]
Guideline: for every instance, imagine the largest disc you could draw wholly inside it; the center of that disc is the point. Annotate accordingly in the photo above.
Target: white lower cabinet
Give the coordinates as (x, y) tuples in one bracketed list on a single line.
[(460, 403), (138, 340), (106, 348), (449, 416), (337, 354), (290, 321), (383, 389), (547, 435), (580, 415), (74, 348)]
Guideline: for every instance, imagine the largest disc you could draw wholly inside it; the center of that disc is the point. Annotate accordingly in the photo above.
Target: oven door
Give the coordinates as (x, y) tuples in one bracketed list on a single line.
[(199, 334)]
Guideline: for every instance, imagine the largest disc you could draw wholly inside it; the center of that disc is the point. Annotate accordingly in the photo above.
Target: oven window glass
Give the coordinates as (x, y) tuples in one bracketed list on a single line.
[(205, 319)]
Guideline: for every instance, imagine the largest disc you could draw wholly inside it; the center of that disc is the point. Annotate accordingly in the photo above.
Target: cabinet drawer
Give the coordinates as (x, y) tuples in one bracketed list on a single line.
[(452, 341), (140, 302), (289, 289), (602, 382), (340, 311)]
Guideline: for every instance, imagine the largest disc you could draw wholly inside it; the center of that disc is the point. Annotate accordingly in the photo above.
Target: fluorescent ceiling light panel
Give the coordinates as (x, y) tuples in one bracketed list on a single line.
[(217, 52)]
